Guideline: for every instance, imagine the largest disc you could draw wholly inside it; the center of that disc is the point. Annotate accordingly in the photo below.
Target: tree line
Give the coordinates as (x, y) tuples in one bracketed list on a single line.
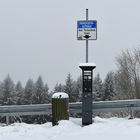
[(123, 83), (15, 94), (36, 92)]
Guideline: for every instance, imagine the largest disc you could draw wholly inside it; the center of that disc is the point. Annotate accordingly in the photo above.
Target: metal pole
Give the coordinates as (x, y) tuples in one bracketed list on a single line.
[(87, 39)]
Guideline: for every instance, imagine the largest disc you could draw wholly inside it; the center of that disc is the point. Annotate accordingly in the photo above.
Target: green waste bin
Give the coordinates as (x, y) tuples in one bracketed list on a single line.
[(60, 107)]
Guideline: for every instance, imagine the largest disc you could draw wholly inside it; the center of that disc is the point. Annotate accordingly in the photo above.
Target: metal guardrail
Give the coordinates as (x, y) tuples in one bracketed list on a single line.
[(108, 106), (23, 110), (115, 106), (39, 109), (42, 109)]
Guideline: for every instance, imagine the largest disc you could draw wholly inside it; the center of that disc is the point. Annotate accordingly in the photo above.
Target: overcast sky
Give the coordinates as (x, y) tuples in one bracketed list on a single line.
[(39, 37)]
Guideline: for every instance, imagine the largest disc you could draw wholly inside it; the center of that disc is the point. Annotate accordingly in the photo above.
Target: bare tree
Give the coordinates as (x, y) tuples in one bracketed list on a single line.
[(128, 74)]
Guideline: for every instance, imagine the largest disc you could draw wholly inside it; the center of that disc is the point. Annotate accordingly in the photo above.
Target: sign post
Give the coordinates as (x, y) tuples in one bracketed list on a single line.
[(87, 36), (87, 30)]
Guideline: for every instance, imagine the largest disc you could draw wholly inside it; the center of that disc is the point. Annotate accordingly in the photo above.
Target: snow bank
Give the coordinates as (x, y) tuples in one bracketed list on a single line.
[(60, 95), (101, 129)]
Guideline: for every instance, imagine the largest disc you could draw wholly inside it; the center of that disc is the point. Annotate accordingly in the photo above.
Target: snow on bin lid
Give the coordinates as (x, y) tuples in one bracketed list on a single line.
[(60, 95), (87, 64)]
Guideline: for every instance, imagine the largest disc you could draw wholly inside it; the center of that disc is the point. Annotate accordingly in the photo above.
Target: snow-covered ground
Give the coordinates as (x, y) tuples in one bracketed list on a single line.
[(101, 129)]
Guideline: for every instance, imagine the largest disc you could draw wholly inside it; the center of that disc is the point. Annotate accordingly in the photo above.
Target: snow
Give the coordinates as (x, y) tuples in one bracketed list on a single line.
[(87, 64), (60, 95), (101, 129)]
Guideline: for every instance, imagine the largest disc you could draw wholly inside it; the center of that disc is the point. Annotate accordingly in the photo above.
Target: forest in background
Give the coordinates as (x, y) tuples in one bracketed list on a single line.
[(123, 83)]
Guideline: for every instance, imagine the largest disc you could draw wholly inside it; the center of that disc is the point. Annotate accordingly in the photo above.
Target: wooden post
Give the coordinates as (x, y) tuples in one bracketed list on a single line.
[(60, 107)]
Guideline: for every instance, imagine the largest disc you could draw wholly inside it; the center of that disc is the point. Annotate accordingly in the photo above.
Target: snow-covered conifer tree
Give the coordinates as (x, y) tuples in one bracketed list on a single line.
[(28, 92), (47, 95), (38, 96), (58, 88), (19, 91), (109, 88), (78, 89), (8, 91), (69, 88), (97, 88)]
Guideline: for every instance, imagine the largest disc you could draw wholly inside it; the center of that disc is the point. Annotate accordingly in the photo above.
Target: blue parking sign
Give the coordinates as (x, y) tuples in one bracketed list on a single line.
[(87, 24), (87, 29)]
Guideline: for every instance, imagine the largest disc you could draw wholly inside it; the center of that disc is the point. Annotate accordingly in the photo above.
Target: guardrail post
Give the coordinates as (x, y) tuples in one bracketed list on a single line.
[(7, 120), (60, 107), (131, 113)]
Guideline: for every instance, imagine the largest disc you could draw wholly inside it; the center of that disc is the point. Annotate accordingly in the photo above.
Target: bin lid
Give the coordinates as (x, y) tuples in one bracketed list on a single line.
[(60, 95)]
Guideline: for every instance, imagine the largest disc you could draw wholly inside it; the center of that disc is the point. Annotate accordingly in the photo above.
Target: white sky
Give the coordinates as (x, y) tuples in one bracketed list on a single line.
[(39, 37)]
